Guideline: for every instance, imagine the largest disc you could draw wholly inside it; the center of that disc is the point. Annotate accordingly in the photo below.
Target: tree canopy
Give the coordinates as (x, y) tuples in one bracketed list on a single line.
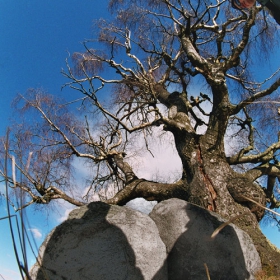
[(189, 68)]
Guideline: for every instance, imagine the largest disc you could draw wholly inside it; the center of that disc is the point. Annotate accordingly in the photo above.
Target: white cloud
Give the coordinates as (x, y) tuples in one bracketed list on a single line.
[(64, 208), (166, 164), (64, 216), (82, 169), (36, 233), (141, 205)]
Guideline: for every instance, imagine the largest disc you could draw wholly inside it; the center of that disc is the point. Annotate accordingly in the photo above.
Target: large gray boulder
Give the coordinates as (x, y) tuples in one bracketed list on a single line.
[(103, 242), (186, 230)]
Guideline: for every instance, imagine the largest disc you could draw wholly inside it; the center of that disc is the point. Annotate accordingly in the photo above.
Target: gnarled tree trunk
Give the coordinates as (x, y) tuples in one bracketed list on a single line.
[(208, 180)]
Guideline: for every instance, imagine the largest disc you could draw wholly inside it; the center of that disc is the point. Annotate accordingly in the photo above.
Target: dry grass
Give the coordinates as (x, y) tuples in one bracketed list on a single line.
[(264, 275)]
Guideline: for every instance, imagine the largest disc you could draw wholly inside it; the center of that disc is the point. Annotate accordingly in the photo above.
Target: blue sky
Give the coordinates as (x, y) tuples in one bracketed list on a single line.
[(35, 39)]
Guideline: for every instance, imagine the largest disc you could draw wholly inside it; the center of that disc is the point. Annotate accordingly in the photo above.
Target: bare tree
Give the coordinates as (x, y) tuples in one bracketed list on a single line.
[(186, 67)]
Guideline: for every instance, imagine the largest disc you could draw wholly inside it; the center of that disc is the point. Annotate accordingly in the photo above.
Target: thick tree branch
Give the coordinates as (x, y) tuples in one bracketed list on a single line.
[(195, 58), (149, 190), (268, 169), (124, 167), (255, 158), (272, 171)]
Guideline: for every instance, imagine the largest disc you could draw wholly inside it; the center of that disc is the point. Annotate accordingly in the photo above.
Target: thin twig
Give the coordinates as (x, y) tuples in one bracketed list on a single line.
[(219, 228), (257, 203), (28, 161), (207, 271)]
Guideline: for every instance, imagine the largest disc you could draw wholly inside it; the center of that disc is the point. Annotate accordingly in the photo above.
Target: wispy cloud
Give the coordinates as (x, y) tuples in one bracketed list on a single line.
[(165, 165), (36, 232), (64, 208), (64, 216), (9, 274)]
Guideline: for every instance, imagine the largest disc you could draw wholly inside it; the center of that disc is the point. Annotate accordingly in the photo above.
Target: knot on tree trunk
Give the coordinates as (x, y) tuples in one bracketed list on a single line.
[(242, 188)]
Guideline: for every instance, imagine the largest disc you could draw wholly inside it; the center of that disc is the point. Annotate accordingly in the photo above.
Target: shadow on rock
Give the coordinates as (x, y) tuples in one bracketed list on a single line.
[(93, 244), (186, 229)]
